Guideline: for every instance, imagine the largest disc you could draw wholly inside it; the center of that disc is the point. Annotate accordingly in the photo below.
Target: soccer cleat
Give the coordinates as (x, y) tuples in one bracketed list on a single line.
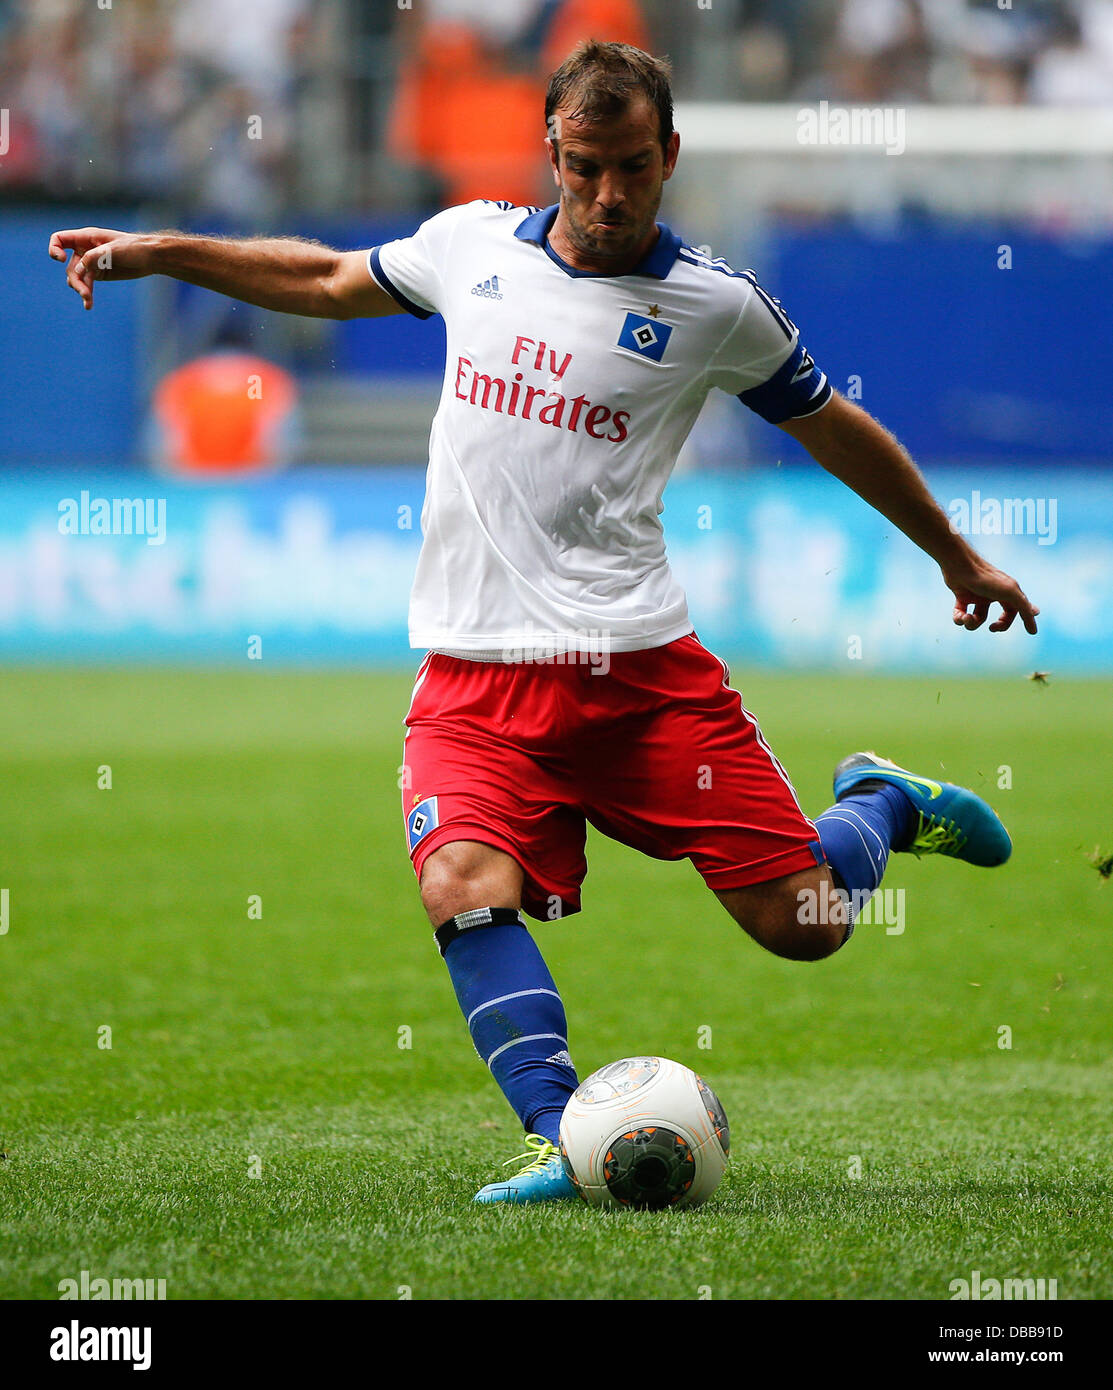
[(542, 1179), (951, 820)]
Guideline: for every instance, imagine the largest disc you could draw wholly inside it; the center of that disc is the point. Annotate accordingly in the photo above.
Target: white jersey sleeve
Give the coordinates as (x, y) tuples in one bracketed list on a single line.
[(763, 362), (412, 268)]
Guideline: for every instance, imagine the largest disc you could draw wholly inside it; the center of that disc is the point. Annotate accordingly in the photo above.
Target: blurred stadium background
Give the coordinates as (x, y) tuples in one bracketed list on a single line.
[(959, 288), (954, 285)]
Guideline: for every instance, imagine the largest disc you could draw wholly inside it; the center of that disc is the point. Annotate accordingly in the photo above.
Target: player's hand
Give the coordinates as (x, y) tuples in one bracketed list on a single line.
[(978, 588), (101, 254)]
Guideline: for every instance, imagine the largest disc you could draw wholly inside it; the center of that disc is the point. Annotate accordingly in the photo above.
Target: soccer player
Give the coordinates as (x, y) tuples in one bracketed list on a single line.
[(563, 681)]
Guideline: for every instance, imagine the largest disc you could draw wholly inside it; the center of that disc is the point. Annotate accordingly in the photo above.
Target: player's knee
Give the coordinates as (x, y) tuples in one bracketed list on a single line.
[(782, 932), (801, 917), (464, 875), (811, 940)]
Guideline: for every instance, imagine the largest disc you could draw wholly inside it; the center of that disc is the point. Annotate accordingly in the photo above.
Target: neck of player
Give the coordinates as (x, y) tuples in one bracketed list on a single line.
[(599, 262)]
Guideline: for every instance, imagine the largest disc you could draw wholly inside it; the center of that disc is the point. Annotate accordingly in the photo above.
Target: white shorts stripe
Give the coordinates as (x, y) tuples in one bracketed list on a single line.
[(419, 681), (781, 773)]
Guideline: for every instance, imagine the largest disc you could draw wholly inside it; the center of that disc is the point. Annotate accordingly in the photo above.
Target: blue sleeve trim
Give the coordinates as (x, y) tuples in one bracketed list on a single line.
[(795, 389), (393, 290)]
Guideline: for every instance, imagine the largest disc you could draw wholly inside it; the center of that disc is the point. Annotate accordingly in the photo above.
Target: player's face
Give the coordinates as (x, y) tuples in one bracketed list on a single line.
[(610, 178)]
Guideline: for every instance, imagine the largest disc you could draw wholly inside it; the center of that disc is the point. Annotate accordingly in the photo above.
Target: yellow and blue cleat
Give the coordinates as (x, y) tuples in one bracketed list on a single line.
[(951, 820), (543, 1179)]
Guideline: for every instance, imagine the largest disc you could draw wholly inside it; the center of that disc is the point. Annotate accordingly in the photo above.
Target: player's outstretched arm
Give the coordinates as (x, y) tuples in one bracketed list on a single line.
[(281, 273), (851, 445)]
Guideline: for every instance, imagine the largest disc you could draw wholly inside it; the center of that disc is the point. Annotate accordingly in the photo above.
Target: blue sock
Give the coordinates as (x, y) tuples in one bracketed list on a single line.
[(858, 832), (514, 1013)]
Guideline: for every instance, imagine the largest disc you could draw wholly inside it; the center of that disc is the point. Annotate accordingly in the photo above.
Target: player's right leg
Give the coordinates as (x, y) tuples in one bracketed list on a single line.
[(508, 997), (490, 838)]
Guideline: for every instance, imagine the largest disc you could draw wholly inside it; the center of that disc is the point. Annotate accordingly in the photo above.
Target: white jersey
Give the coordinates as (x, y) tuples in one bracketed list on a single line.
[(567, 397)]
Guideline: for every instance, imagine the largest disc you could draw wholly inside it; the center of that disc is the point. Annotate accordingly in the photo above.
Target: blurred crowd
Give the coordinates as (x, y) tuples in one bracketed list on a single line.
[(1039, 52), (192, 101), (243, 108)]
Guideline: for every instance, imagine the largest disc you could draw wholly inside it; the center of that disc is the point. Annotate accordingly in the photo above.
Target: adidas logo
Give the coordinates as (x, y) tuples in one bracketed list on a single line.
[(488, 289), (562, 1057)]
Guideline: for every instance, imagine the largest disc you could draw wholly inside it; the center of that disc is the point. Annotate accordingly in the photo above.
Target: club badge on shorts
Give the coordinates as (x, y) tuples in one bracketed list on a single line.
[(423, 818), (644, 337)]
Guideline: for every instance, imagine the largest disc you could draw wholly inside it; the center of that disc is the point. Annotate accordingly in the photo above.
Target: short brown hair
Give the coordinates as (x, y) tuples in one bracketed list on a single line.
[(600, 80)]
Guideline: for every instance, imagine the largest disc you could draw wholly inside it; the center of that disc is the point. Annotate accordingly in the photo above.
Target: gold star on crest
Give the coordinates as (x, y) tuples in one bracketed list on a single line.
[(654, 310)]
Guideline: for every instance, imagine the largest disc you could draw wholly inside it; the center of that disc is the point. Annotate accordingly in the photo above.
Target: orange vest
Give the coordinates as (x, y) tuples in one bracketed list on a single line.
[(223, 412)]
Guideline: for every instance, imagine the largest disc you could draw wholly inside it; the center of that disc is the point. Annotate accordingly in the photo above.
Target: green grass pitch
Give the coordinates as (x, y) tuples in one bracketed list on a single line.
[(257, 1131)]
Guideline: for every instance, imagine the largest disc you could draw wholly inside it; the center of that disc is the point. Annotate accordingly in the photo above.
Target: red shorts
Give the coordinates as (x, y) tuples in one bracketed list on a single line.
[(657, 752)]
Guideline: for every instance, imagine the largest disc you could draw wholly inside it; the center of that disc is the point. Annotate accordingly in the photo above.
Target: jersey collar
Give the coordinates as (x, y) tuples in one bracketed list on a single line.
[(658, 261)]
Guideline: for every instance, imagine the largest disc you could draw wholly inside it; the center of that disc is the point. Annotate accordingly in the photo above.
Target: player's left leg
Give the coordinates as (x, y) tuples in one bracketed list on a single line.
[(693, 776), (879, 808), (809, 915)]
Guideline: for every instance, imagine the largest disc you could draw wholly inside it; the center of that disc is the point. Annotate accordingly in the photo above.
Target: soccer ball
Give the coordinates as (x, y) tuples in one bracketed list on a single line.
[(644, 1132)]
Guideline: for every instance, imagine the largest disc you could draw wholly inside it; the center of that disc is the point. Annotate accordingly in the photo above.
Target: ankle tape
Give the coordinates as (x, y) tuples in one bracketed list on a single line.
[(448, 931)]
